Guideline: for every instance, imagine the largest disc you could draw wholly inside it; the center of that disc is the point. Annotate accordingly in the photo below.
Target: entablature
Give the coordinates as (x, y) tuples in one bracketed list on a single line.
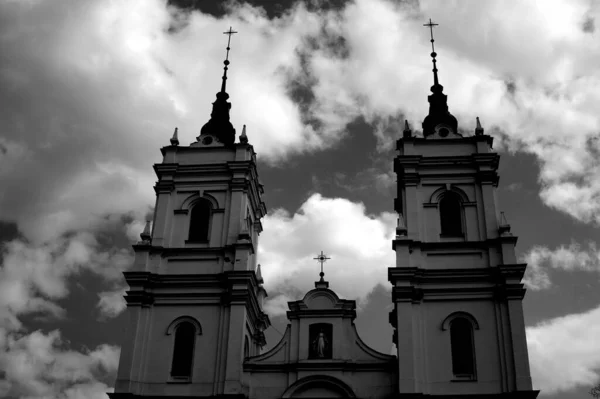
[(321, 365), (426, 246), (417, 284), (230, 287)]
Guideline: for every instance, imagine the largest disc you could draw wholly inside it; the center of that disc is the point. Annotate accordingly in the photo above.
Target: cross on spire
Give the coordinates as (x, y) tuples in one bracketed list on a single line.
[(430, 25), (322, 258), (226, 62)]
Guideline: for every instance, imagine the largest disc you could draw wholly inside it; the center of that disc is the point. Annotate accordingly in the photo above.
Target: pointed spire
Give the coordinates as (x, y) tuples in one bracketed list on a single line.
[(243, 137), (226, 62), (401, 228), (145, 236), (174, 139), (219, 125), (436, 83), (439, 119), (407, 132), (259, 276), (478, 129)]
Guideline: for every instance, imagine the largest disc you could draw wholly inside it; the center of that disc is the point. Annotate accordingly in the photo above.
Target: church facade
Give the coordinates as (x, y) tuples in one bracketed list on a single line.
[(195, 300)]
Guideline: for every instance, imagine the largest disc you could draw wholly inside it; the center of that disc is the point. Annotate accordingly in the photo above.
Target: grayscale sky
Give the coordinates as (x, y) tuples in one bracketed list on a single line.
[(91, 90)]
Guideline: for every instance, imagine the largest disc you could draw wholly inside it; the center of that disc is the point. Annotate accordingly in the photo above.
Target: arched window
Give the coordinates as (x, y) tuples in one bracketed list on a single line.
[(246, 347), (200, 221), (183, 350), (450, 215), (463, 353)]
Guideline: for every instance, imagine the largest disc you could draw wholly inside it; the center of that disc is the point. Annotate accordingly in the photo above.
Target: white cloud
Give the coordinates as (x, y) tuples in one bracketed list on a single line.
[(358, 244), (91, 90), (564, 352), (541, 259), (111, 303), (38, 366)]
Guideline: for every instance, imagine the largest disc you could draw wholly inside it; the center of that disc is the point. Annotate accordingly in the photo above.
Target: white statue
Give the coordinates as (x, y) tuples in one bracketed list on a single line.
[(320, 344)]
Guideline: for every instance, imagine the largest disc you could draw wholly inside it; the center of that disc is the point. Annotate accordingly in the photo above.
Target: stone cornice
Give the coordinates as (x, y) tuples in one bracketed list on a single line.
[(231, 287), (321, 365), (453, 245), (456, 141), (412, 168), (412, 284), (317, 313)]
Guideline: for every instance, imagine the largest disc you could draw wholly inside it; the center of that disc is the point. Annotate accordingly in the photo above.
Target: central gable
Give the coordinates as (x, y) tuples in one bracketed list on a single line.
[(320, 299), (322, 354)]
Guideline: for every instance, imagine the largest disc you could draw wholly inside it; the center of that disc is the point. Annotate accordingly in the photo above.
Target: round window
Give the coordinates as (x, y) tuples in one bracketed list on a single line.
[(207, 140), (443, 132)]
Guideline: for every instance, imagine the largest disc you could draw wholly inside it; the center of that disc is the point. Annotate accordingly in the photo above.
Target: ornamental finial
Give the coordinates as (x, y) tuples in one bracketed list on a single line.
[(504, 228), (145, 236), (243, 137), (401, 227), (174, 139), (478, 129), (259, 276), (407, 132)]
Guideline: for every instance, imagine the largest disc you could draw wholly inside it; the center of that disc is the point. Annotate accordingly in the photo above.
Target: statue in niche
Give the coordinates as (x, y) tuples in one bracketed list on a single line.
[(320, 344), (320, 341)]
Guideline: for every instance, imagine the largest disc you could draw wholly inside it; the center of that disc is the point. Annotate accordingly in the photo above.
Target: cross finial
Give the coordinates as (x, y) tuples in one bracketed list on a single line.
[(430, 25), (226, 62), (322, 258)]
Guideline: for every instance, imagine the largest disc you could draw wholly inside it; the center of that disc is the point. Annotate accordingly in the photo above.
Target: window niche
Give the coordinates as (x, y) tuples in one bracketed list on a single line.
[(200, 218), (463, 349), (183, 351), (450, 209), (320, 341)]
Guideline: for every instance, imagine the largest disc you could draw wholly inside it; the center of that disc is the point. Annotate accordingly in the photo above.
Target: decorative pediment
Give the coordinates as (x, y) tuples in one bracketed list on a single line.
[(321, 299)]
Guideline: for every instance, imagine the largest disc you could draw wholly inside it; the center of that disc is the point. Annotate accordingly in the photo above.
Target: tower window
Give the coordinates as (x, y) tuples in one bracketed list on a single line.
[(246, 347), (450, 215), (463, 355), (199, 221), (183, 350)]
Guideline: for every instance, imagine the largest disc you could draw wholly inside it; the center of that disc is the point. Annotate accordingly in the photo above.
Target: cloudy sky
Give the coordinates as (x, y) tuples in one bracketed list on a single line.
[(91, 90)]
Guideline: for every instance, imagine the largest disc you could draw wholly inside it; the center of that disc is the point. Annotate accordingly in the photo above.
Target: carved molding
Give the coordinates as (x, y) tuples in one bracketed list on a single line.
[(322, 381), (446, 323), (182, 319)]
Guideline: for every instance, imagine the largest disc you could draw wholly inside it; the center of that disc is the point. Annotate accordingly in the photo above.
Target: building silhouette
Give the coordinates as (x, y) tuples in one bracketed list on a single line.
[(195, 303)]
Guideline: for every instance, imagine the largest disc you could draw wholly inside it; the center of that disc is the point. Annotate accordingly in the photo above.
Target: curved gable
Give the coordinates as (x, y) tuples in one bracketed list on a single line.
[(320, 299)]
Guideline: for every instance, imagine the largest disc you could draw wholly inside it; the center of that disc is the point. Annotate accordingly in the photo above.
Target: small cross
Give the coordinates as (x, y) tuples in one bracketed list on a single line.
[(431, 25), (321, 258), (229, 32)]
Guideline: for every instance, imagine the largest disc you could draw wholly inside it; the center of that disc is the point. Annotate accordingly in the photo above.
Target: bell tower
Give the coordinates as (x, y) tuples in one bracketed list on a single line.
[(195, 291), (458, 316)]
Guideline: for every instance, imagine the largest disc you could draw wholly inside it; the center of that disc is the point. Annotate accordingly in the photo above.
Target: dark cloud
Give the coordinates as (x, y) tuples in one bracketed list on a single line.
[(589, 25), (511, 87), (272, 8)]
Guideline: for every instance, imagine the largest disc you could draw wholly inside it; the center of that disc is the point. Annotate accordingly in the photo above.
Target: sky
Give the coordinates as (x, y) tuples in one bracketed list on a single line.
[(90, 90)]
